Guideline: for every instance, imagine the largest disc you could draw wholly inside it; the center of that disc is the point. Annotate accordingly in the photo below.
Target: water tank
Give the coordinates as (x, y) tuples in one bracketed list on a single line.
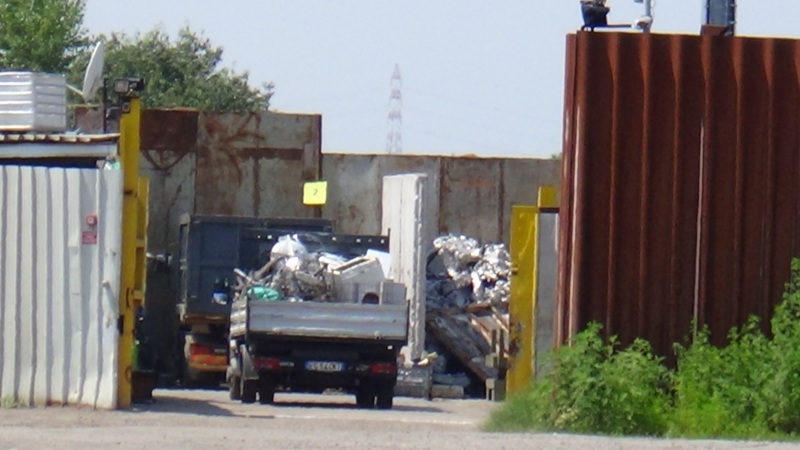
[(32, 102)]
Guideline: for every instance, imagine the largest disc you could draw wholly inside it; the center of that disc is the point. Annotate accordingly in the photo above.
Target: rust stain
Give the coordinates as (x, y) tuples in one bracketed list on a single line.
[(238, 162), (169, 130), (168, 136), (679, 194), (284, 154)]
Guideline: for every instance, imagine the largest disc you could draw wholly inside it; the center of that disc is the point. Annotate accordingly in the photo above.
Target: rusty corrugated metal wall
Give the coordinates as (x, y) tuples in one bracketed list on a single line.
[(680, 194)]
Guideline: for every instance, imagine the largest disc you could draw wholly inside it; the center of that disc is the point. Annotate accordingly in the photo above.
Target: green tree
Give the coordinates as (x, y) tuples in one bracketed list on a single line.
[(40, 35), (183, 72)]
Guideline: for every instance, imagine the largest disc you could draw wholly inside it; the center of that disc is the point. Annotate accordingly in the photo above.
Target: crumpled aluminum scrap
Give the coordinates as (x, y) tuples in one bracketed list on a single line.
[(461, 272)]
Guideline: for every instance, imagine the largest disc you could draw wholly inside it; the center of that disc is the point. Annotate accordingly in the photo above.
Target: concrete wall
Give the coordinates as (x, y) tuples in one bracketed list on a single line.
[(256, 164), (473, 196), (59, 285), (406, 214)]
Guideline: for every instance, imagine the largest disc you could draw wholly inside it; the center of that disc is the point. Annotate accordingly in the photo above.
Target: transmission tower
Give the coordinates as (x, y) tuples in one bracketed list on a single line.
[(394, 137)]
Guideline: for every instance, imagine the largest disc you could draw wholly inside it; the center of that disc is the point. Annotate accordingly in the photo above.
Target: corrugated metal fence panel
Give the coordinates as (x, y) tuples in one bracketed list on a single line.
[(58, 286), (680, 189)]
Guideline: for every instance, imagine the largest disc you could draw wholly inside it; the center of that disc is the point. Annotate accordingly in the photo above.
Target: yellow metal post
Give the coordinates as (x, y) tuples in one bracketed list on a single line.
[(524, 249), (130, 296), (142, 217), (548, 199), (523, 254)]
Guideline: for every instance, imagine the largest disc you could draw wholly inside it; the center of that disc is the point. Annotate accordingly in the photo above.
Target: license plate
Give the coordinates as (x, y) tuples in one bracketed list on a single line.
[(325, 366)]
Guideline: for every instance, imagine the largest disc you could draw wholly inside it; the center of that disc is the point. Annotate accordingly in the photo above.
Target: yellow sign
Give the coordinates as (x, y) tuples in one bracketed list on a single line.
[(315, 193)]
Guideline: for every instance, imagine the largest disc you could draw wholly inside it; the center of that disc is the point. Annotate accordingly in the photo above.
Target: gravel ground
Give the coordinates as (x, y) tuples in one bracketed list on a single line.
[(207, 419)]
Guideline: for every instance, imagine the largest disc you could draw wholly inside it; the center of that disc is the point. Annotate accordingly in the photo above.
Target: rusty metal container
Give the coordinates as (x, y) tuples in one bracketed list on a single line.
[(680, 187)]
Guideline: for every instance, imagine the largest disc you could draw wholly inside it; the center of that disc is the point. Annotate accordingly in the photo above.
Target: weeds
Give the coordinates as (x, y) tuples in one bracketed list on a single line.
[(12, 403), (748, 389), (594, 388)]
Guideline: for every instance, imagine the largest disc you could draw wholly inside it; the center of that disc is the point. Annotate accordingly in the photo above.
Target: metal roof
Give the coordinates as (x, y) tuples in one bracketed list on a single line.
[(57, 145), (11, 138)]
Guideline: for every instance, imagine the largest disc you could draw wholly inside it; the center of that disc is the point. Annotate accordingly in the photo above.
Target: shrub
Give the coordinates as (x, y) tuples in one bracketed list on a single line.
[(593, 388), (719, 391), (748, 389), (783, 389)]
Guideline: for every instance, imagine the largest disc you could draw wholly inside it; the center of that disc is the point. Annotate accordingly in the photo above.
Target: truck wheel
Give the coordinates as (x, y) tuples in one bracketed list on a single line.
[(365, 395), (235, 388), (385, 395), (249, 391), (266, 391)]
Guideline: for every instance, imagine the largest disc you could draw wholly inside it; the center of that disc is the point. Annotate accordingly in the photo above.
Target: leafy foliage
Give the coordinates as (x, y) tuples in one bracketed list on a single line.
[(783, 388), (748, 389), (40, 35), (719, 391), (595, 388), (180, 73), (751, 387)]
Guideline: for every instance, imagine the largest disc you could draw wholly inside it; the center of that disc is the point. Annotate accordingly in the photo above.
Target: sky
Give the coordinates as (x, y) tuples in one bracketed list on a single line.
[(478, 77)]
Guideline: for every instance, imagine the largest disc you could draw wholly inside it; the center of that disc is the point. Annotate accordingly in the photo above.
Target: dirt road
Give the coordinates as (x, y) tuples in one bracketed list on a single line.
[(207, 419)]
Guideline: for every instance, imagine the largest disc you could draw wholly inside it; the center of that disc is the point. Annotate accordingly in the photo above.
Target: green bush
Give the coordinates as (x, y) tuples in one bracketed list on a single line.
[(782, 393), (748, 389), (594, 388), (719, 391)]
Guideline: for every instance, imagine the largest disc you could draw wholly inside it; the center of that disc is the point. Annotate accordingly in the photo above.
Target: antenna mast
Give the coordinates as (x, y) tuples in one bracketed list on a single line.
[(394, 136)]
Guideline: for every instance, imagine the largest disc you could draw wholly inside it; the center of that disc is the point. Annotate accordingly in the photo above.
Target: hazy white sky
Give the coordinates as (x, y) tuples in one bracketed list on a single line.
[(478, 77)]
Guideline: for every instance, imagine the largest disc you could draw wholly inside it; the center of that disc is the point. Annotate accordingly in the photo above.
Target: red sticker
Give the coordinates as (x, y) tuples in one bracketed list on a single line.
[(90, 237)]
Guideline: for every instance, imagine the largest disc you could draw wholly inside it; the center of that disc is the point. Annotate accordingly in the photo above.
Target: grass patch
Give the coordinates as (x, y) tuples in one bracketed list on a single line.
[(12, 403), (749, 389)]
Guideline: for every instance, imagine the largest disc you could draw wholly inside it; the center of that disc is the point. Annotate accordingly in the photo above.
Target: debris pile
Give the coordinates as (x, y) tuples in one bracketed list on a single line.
[(297, 275), (468, 288), (461, 272)]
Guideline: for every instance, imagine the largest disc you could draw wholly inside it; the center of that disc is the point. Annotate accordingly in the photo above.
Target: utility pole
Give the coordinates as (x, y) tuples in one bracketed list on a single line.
[(721, 13)]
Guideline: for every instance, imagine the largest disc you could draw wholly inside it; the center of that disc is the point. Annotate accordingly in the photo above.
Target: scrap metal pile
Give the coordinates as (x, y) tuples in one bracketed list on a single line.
[(297, 275), (468, 288), (461, 272)]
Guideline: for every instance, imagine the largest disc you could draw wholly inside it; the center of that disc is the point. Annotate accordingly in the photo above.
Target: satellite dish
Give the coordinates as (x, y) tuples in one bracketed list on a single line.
[(93, 78)]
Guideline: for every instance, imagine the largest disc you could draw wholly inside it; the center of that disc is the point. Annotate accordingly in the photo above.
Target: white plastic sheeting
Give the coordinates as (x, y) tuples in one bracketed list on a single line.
[(60, 241)]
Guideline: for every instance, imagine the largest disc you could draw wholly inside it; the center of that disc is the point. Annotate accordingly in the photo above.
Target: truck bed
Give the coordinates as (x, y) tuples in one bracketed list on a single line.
[(351, 321)]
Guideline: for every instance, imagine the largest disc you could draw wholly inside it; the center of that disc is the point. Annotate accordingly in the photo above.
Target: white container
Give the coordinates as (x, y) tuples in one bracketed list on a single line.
[(393, 293), (357, 278), (32, 102)]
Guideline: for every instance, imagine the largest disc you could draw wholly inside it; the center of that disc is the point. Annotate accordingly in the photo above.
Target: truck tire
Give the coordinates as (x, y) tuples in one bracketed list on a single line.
[(249, 391), (266, 391), (385, 395), (365, 395), (235, 388)]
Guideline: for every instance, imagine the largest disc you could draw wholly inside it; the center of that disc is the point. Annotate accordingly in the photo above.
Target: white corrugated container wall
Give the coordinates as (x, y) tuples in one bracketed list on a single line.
[(33, 102), (59, 285)]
